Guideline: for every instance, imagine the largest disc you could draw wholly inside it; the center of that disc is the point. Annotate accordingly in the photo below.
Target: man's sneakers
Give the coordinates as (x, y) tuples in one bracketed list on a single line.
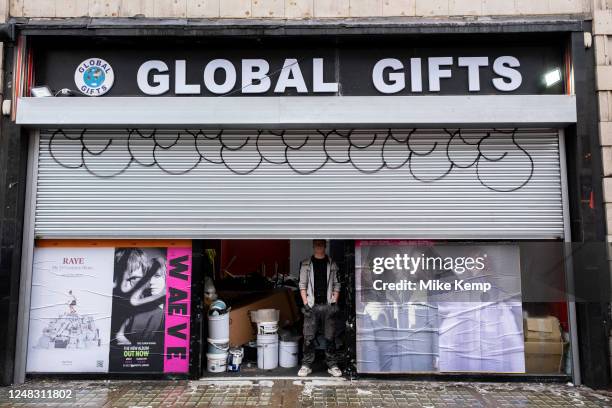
[(334, 371), (305, 370)]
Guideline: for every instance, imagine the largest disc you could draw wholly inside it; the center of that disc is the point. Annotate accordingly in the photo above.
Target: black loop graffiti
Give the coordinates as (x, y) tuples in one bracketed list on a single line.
[(292, 148)]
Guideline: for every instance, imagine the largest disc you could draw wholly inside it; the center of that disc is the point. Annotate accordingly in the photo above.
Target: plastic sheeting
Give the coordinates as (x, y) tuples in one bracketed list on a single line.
[(431, 328)]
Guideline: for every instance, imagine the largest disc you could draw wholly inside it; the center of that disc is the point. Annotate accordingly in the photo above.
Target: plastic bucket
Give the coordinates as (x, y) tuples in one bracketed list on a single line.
[(267, 351), (235, 359), (265, 315), (267, 327), (288, 354), (218, 346), (218, 327), (216, 363), (217, 307)]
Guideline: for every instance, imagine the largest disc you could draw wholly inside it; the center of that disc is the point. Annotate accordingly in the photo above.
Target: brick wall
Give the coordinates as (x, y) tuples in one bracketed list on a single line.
[(292, 8)]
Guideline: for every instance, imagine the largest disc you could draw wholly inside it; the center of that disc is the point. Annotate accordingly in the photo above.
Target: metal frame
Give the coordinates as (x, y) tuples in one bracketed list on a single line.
[(27, 255), (28, 246), (568, 264), (587, 213), (312, 111)]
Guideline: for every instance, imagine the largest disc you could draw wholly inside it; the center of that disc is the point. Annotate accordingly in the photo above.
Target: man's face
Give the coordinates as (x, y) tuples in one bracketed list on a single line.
[(319, 249)]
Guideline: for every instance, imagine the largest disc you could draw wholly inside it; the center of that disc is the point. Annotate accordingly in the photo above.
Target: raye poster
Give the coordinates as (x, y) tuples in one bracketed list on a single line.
[(428, 307), (146, 292), (70, 310)]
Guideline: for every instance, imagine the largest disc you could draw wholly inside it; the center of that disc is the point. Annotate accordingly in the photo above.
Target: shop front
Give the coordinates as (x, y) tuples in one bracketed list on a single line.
[(166, 178)]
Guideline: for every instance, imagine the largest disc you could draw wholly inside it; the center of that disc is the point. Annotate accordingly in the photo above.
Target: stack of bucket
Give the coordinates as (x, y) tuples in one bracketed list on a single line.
[(218, 337), (267, 337)]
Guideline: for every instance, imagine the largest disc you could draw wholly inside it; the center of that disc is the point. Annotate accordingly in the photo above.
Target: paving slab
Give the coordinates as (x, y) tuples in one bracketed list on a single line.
[(306, 393)]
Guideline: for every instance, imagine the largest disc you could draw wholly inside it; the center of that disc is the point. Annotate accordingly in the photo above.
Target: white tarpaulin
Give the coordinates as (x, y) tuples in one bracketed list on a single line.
[(427, 307)]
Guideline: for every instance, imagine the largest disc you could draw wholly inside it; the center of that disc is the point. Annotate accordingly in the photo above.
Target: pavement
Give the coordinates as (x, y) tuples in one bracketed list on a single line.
[(310, 392)]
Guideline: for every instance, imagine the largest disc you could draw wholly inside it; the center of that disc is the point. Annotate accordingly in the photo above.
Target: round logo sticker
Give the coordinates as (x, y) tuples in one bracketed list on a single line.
[(94, 77)]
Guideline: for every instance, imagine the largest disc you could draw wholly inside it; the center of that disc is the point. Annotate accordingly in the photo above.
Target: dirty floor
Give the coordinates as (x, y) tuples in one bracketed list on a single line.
[(312, 392)]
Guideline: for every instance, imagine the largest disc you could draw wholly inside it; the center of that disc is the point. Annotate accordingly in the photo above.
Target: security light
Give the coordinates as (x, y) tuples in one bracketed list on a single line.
[(552, 77), (41, 91)]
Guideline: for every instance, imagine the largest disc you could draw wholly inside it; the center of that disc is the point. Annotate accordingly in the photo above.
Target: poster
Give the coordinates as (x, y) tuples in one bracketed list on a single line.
[(70, 310), (136, 301), (428, 307), (139, 303)]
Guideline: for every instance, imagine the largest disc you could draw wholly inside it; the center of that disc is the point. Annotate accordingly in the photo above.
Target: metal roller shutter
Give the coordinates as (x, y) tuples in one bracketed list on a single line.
[(411, 184)]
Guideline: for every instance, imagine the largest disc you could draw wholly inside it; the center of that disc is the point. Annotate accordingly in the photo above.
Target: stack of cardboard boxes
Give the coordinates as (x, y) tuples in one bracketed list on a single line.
[(543, 345)]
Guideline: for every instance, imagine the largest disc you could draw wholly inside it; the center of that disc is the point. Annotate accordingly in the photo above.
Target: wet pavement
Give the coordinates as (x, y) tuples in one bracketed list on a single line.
[(312, 392)]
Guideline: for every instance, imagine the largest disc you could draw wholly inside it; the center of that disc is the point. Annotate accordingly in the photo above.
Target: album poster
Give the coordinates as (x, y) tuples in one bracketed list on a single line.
[(70, 310)]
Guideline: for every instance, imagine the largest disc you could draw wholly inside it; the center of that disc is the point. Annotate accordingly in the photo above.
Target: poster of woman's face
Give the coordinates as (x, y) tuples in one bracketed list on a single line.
[(139, 296)]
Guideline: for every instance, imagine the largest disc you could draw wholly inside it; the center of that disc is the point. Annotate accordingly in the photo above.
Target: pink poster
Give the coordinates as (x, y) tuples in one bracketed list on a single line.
[(176, 335)]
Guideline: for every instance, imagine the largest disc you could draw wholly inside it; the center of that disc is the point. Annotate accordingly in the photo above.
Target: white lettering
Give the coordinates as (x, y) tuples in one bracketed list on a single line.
[(209, 76), (472, 286), (377, 267), (318, 82), (436, 72), (416, 263), (180, 80), (162, 82), (416, 78), (473, 65), (255, 70), (396, 79), (504, 67), (290, 77)]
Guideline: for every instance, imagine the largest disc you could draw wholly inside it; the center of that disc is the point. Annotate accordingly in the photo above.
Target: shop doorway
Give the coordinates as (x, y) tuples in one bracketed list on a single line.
[(241, 277)]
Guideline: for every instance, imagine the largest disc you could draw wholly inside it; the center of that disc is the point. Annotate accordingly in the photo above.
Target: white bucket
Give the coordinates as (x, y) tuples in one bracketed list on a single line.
[(267, 327), (288, 354), (218, 346), (267, 351), (218, 327), (216, 363)]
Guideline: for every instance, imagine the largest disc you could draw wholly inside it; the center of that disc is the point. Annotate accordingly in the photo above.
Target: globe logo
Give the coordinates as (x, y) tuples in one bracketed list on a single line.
[(94, 77)]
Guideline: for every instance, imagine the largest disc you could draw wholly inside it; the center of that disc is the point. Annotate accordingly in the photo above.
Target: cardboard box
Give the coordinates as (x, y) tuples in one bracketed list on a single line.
[(542, 329), (543, 357), (240, 326)]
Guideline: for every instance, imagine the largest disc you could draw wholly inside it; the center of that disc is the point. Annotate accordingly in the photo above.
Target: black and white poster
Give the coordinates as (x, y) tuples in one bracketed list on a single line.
[(139, 295)]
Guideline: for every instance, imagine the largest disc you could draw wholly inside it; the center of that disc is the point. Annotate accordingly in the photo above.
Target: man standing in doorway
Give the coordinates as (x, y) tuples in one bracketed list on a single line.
[(320, 289)]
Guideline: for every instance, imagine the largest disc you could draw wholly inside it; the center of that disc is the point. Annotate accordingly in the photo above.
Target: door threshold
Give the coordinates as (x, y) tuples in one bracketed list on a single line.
[(269, 378)]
